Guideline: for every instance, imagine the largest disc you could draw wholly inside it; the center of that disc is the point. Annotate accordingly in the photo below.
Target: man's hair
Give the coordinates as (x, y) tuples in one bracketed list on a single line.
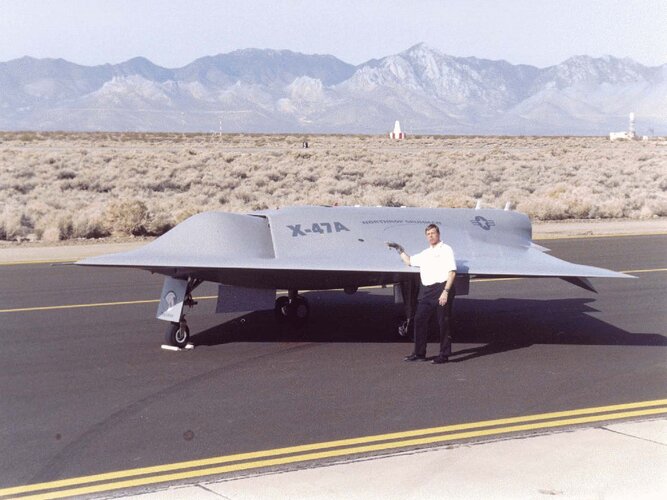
[(432, 226)]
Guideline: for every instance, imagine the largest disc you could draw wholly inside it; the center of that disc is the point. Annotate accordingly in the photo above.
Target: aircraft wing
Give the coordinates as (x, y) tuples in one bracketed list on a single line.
[(337, 247)]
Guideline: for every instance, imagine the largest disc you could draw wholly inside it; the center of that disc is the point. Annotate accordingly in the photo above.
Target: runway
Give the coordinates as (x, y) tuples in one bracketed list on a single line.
[(87, 390)]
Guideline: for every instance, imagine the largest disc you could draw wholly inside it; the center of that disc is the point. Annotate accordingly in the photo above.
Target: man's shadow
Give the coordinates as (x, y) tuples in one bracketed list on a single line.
[(499, 324)]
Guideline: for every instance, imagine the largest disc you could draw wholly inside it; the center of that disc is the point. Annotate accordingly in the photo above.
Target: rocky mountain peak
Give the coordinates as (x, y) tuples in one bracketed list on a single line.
[(253, 89)]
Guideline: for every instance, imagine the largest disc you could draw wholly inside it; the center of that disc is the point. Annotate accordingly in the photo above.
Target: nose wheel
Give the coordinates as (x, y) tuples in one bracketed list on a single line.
[(177, 334), (293, 309)]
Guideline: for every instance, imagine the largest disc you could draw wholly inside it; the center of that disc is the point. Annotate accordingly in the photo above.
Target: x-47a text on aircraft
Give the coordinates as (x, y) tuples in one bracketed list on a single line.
[(254, 255)]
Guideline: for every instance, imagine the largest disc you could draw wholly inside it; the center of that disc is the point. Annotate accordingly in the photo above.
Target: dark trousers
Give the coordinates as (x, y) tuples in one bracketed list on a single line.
[(427, 304)]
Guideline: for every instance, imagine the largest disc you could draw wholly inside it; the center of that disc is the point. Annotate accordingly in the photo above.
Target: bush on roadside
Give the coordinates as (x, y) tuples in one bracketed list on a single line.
[(129, 217), (15, 224), (55, 227)]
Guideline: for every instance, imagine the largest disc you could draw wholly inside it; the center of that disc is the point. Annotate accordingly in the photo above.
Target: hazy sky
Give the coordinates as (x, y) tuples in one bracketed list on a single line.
[(172, 33)]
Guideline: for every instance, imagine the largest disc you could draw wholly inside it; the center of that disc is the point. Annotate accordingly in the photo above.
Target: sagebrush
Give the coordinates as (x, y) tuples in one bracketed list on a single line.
[(56, 186)]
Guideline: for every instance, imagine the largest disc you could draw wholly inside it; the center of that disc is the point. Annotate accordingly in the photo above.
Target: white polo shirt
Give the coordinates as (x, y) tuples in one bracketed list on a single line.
[(434, 263)]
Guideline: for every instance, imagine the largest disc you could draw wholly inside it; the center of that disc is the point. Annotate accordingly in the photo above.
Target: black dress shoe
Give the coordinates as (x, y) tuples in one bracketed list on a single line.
[(440, 360), (414, 357)]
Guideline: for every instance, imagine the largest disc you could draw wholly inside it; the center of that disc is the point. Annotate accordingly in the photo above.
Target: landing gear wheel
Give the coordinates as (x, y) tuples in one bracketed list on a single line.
[(281, 309), (299, 311), (177, 334), (294, 310)]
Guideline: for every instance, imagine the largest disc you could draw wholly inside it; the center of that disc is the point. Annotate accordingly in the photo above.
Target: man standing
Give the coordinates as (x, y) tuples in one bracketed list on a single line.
[(437, 270)]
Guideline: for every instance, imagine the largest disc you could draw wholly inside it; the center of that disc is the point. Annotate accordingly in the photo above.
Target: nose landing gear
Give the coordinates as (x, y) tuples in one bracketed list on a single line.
[(178, 333)]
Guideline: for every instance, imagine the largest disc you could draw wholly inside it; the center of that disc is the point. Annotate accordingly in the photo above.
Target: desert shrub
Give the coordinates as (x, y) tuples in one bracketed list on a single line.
[(128, 217), (456, 200), (168, 185), (159, 224), (90, 228), (390, 199), (239, 173), (260, 206), (24, 188), (550, 178), (56, 227), (544, 208), (24, 173), (91, 222), (655, 208), (275, 176), (185, 213), (244, 195), (27, 137), (65, 174), (578, 208), (15, 224), (344, 188)]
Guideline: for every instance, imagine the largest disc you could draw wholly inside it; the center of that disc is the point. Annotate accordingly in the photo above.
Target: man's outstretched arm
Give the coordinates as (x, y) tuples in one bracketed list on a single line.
[(401, 251)]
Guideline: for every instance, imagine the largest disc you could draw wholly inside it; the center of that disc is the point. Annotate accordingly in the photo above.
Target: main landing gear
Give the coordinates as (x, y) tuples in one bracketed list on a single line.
[(178, 334), (293, 309)]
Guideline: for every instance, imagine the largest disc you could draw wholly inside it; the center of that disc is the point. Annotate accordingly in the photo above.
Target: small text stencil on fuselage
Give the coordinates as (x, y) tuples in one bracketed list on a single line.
[(316, 228)]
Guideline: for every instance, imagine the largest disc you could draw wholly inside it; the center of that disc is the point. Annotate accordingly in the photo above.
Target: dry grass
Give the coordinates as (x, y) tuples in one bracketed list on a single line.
[(56, 186)]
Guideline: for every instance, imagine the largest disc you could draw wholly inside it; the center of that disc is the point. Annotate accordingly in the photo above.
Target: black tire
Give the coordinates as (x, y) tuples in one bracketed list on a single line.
[(177, 335), (281, 309), (299, 311)]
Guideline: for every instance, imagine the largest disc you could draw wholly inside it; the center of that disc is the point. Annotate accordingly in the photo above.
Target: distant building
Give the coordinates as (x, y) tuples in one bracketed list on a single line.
[(397, 134)]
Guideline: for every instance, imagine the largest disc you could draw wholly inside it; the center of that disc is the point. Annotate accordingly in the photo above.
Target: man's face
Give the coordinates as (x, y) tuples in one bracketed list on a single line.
[(433, 236)]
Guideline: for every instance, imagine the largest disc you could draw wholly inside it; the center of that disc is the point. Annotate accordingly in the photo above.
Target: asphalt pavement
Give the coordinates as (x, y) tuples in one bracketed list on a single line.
[(86, 389)]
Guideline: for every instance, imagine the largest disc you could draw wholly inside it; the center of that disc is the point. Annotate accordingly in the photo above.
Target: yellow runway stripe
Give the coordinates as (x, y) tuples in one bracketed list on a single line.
[(658, 270), (97, 304), (76, 306), (345, 447), (636, 271), (331, 454), (484, 280), (32, 262)]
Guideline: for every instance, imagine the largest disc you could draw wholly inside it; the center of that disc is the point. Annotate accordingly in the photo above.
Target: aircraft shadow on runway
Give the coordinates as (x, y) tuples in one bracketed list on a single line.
[(499, 324)]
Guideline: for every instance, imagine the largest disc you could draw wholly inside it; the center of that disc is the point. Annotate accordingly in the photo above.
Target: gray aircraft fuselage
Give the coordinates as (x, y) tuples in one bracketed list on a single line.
[(319, 248), (316, 247)]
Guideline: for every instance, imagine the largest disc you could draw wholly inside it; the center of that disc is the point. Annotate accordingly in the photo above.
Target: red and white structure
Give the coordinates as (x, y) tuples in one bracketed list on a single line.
[(397, 134)]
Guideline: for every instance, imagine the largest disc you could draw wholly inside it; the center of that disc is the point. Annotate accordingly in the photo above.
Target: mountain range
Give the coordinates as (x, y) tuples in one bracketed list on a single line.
[(255, 90)]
